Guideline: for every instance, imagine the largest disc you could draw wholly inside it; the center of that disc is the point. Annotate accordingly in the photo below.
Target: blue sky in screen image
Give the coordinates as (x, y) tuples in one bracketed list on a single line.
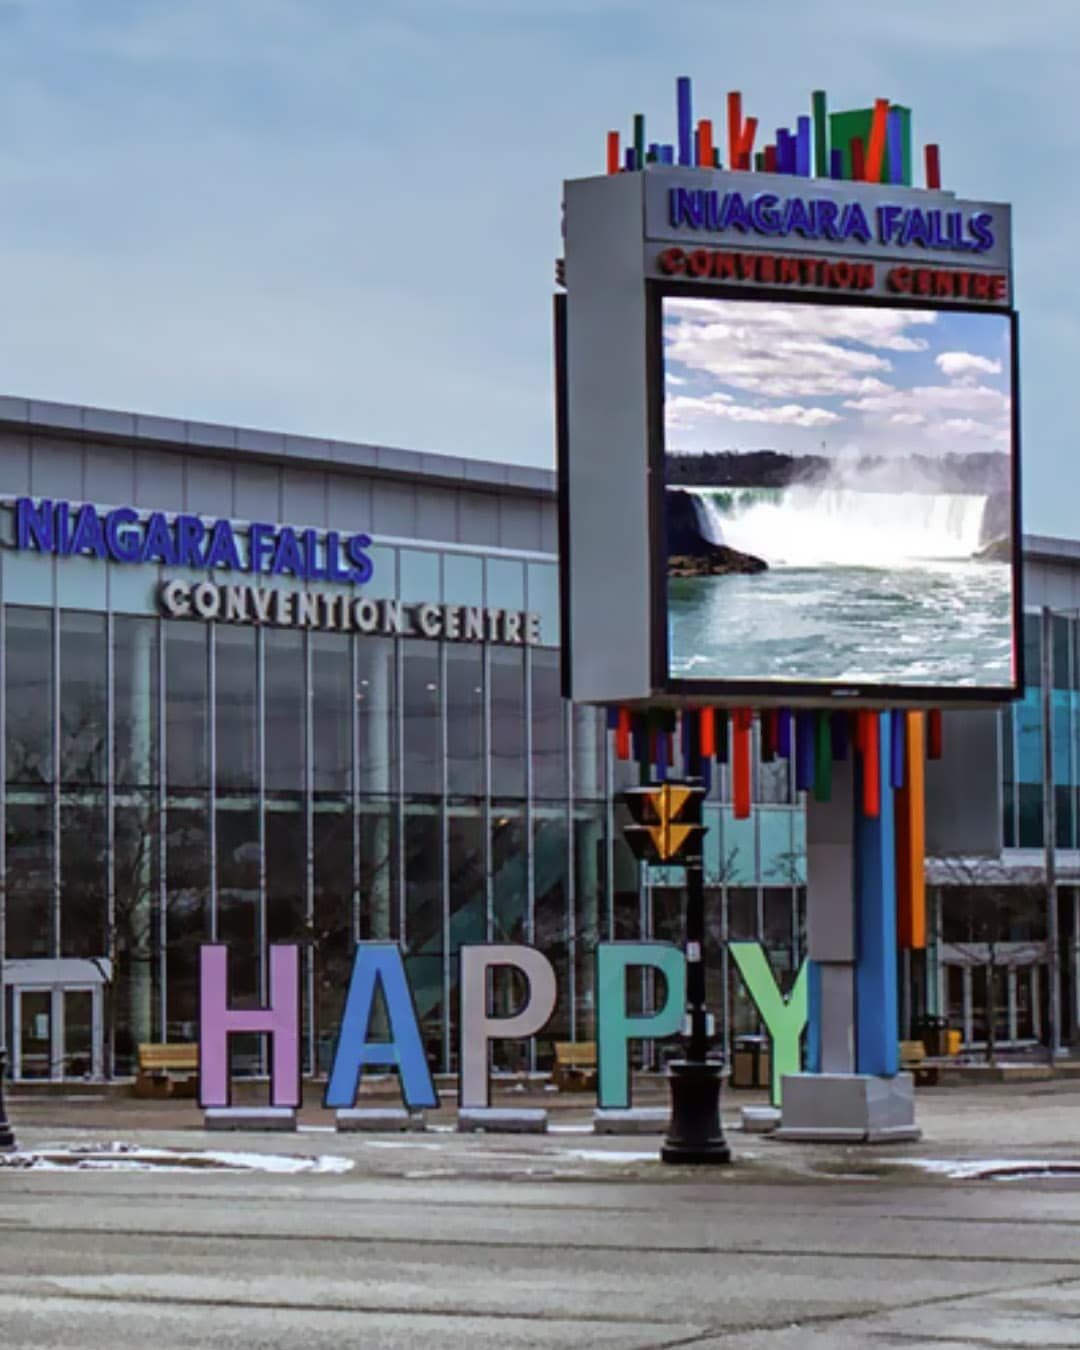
[(844, 381)]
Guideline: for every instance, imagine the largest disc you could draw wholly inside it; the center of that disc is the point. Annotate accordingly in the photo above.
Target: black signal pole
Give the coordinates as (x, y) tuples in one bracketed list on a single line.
[(695, 1134), (7, 1134)]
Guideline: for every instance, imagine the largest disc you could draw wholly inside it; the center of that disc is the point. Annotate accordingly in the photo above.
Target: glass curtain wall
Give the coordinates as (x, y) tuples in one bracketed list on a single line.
[(169, 783)]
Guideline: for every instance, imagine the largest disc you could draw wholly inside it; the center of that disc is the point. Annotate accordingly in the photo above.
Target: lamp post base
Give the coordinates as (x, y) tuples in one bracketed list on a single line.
[(695, 1134), (7, 1134)]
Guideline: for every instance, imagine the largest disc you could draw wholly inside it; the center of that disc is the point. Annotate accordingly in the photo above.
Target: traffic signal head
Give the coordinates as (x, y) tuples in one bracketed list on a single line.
[(667, 824)]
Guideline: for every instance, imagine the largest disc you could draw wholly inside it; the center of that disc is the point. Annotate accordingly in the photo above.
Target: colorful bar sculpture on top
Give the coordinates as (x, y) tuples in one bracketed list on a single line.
[(890, 748), (870, 144)]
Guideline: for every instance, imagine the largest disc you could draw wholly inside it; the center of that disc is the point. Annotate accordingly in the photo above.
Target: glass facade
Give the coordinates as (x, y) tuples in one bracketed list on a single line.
[(170, 781)]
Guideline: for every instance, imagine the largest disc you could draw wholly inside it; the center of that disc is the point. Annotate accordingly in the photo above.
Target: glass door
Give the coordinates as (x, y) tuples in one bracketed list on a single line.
[(34, 1026), (79, 1040)]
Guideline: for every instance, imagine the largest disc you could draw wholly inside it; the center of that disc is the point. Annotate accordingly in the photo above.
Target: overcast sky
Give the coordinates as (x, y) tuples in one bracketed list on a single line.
[(340, 216)]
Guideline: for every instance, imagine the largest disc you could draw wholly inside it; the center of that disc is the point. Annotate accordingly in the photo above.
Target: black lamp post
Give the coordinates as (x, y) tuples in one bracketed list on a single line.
[(695, 1134)]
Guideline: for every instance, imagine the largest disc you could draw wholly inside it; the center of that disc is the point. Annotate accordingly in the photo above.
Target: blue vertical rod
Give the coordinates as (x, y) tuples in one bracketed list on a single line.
[(836, 163), (686, 120), (876, 972), (894, 140), (802, 147)]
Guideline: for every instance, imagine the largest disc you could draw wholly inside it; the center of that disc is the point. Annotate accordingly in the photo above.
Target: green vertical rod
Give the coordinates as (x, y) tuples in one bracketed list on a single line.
[(639, 140), (823, 759), (759, 161), (821, 134)]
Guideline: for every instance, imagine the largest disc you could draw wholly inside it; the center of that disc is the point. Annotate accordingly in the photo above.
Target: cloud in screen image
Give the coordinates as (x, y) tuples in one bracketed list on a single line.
[(839, 494)]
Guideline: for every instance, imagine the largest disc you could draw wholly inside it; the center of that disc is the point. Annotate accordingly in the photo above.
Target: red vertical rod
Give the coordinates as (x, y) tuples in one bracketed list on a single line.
[(770, 159), (708, 733), (613, 153), (705, 143), (933, 168), (746, 142), (870, 744), (858, 159), (734, 127), (740, 762), (622, 734), (875, 151), (935, 740)]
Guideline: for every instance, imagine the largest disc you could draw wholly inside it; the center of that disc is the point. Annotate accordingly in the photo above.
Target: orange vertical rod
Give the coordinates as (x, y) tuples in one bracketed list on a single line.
[(734, 127), (705, 143), (740, 762), (613, 152), (911, 839), (875, 150), (870, 743)]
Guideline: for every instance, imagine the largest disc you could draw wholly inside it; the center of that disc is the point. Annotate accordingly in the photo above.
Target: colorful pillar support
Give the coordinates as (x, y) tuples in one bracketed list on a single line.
[(852, 1091)]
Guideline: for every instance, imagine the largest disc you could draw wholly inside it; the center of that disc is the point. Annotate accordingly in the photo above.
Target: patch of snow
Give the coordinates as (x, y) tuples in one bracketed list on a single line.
[(120, 1157)]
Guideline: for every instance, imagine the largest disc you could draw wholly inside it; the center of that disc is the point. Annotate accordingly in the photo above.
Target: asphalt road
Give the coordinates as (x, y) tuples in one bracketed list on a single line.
[(463, 1242)]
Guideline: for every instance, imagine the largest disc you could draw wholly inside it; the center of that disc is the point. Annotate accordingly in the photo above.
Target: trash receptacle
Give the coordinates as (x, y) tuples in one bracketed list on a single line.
[(750, 1062), (933, 1031)]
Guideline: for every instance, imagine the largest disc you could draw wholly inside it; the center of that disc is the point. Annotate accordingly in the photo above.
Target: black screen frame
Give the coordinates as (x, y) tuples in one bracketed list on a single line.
[(806, 693)]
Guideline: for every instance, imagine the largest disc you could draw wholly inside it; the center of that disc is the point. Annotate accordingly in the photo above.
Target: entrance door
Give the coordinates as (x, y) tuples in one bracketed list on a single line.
[(57, 1032), (33, 1033)]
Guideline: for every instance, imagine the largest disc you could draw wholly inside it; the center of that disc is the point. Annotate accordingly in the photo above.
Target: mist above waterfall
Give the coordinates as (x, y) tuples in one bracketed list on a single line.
[(833, 525)]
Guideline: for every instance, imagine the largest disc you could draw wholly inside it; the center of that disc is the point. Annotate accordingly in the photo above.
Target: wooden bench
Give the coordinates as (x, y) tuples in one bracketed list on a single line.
[(913, 1061), (169, 1070), (575, 1066)]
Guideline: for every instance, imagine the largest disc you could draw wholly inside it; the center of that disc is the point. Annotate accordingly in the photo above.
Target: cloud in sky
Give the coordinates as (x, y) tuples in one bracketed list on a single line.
[(955, 364), (341, 218), (743, 361)]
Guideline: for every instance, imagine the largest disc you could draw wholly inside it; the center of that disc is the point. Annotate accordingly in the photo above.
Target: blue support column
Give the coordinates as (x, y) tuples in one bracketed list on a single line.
[(876, 1027), (813, 1017)]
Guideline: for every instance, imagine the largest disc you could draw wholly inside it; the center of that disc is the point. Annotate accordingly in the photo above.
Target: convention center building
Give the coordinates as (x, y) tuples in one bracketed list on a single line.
[(258, 688)]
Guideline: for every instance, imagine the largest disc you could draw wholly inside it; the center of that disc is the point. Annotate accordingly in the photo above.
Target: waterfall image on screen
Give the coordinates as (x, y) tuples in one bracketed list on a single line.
[(838, 494)]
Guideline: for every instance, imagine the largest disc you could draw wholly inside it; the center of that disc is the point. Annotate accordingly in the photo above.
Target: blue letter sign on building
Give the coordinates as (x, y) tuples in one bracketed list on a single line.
[(48, 526)]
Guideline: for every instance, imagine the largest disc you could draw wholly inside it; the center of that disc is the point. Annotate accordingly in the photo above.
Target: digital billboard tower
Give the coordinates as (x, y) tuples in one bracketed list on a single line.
[(790, 502)]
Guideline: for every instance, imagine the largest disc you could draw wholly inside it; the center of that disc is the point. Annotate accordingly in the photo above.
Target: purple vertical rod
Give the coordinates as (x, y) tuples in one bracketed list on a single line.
[(836, 163), (612, 718), (686, 735), (895, 142), (802, 148), (804, 751), (661, 754), (628, 157), (706, 772), (898, 746), (667, 154), (783, 733), (686, 120)]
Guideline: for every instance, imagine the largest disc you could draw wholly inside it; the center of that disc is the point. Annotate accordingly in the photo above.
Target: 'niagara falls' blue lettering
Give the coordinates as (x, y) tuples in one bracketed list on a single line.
[(124, 536), (816, 218)]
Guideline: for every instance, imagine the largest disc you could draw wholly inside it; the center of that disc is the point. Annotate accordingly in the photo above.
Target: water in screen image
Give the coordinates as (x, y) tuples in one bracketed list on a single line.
[(839, 494)]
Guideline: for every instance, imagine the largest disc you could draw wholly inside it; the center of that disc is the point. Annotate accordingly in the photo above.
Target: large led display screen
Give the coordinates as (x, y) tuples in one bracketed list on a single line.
[(839, 496)]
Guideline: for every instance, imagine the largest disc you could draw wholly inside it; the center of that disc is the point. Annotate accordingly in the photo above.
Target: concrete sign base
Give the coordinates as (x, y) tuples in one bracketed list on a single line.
[(848, 1108), (250, 1118)]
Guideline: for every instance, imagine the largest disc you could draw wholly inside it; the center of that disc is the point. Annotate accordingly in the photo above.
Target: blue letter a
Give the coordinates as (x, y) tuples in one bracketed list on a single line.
[(379, 965)]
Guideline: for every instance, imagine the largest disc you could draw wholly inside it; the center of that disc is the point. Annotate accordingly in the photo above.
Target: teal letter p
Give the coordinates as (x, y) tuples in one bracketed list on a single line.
[(615, 1027)]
